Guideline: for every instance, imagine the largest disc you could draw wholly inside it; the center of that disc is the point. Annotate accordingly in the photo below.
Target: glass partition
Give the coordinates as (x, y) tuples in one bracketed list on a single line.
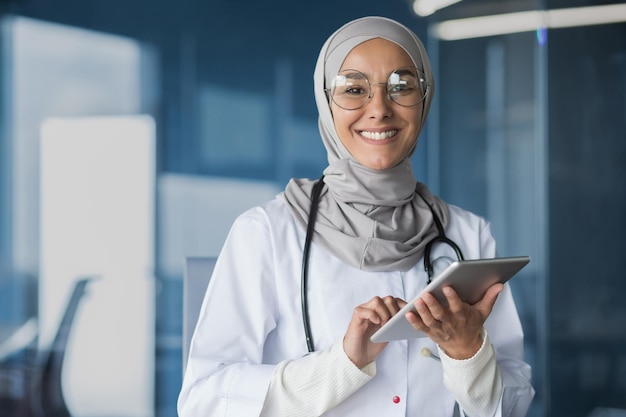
[(490, 158), (528, 131), (587, 110)]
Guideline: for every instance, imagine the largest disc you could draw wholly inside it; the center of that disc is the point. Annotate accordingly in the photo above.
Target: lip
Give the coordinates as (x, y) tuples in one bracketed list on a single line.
[(379, 135)]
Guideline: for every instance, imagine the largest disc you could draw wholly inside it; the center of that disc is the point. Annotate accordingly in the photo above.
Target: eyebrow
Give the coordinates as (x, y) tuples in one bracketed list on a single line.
[(400, 71), (354, 74), (404, 71)]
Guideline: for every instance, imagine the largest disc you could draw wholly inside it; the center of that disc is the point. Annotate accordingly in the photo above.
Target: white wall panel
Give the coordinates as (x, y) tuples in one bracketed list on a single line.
[(97, 219)]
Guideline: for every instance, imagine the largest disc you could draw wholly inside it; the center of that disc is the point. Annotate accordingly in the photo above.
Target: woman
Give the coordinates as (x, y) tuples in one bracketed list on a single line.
[(249, 355)]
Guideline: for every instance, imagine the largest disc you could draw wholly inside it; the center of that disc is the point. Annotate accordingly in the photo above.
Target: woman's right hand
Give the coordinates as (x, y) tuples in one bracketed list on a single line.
[(366, 319)]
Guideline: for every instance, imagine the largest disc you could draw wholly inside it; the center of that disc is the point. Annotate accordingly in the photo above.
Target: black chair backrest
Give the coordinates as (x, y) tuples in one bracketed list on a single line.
[(48, 400)]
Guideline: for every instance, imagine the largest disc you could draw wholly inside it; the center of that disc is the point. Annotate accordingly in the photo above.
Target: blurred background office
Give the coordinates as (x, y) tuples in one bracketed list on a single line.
[(132, 133)]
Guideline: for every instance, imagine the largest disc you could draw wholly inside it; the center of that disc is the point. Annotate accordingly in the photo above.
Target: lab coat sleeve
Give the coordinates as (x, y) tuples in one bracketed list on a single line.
[(311, 385), (505, 331), (476, 382), (491, 383), (225, 375)]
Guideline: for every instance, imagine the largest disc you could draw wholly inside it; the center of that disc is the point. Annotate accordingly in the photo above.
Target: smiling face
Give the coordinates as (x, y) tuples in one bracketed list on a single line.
[(381, 133)]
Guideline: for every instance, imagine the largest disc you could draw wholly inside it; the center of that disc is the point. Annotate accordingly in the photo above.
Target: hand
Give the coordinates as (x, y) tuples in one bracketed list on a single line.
[(366, 319), (456, 328)]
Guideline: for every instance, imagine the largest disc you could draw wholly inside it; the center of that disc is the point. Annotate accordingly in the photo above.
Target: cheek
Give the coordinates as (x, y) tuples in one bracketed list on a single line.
[(343, 122), (413, 122)]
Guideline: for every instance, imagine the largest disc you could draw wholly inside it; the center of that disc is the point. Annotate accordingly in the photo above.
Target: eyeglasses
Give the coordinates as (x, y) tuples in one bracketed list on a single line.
[(351, 89)]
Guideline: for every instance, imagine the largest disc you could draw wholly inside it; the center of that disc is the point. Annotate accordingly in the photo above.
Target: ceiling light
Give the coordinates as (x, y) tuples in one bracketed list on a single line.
[(428, 7), (501, 24)]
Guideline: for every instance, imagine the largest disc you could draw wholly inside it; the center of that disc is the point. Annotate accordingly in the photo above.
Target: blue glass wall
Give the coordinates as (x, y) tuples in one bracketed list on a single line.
[(587, 109), (537, 126)]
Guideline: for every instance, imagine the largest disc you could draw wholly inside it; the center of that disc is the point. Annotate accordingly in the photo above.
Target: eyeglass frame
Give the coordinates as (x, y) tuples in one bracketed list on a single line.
[(419, 71)]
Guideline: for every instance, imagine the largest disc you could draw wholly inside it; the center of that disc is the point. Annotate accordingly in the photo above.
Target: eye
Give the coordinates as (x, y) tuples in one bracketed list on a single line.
[(402, 88), (354, 89), (350, 84)]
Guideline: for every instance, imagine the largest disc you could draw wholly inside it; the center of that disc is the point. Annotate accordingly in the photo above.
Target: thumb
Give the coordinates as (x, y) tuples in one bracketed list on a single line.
[(489, 299)]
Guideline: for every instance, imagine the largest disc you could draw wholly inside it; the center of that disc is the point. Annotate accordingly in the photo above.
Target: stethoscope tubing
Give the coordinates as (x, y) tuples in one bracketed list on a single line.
[(428, 266), (317, 191)]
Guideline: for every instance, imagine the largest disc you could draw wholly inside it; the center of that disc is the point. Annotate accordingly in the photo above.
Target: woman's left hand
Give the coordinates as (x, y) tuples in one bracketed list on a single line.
[(456, 328)]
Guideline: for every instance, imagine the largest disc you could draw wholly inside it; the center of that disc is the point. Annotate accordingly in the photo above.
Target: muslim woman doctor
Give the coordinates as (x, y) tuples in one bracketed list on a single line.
[(249, 357)]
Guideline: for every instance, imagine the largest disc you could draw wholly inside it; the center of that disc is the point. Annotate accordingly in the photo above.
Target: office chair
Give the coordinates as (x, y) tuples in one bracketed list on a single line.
[(22, 338), (17, 355), (48, 386), (196, 278), (43, 396)]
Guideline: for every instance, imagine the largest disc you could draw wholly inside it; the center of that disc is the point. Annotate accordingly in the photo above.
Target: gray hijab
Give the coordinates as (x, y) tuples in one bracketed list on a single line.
[(375, 220)]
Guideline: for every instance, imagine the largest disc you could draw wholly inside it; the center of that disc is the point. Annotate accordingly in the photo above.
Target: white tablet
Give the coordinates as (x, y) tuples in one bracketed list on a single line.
[(470, 279)]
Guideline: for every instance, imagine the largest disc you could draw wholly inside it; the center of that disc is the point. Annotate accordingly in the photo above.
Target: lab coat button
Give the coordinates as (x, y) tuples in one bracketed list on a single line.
[(396, 399)]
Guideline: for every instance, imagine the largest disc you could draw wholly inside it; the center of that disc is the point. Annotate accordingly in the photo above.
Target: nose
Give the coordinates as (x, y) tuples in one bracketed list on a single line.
[(379, 104)]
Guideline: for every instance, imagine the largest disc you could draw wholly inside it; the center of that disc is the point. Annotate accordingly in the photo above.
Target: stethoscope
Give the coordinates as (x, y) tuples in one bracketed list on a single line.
[(428, 264)]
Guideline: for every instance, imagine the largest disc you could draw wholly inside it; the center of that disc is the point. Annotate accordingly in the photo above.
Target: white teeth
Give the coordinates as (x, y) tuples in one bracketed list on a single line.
[(378, 135)]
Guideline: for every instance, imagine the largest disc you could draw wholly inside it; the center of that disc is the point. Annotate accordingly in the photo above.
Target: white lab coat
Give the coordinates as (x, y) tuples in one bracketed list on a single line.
[(251, 319)]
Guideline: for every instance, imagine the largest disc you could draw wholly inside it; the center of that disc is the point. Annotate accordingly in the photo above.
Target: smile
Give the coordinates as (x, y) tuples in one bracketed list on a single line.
[(378, 135)]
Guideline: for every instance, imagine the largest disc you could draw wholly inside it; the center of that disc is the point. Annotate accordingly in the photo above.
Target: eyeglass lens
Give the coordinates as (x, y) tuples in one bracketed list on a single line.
[(351, 89)]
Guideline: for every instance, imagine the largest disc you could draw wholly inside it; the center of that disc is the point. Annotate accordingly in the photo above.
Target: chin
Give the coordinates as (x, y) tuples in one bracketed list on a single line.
[(379, 166)]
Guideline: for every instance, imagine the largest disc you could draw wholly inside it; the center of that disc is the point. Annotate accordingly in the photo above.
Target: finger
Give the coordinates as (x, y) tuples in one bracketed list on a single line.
[(495, 290), (416, 321), (379, 310), (435, 309), (489, 299), (393, 304), (425, 313), (454, 301), (363, 313)]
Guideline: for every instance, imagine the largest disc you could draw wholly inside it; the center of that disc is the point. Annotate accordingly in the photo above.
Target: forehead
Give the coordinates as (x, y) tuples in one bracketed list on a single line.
[(376, 55)]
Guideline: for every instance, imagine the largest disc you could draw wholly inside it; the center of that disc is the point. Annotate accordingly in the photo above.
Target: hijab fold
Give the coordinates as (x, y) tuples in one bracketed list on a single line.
[(375, 220)]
